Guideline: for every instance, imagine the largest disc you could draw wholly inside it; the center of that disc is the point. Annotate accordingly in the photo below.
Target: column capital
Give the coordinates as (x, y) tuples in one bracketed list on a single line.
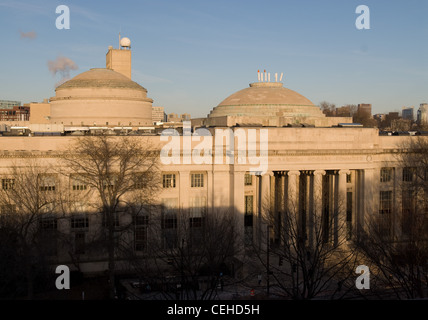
[(266, 174), (344, 171), (319, 172), (293, 173)]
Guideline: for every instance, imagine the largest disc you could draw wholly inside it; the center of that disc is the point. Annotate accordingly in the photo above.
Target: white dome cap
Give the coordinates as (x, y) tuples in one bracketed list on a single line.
[(125, 42)]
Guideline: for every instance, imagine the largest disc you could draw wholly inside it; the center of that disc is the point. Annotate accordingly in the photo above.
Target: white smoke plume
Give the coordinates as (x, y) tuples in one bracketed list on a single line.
[(62, 66), (28, 35)]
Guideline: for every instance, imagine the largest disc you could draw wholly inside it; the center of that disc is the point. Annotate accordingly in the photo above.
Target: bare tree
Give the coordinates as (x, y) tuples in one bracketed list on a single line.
[(311, 256), (329, 109), (191, 254), (122, 175), (29, 201), (397, 240), (360, 116)]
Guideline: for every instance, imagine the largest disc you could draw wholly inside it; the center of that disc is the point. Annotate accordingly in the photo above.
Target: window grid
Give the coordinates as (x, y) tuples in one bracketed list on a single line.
[(385, 174), (48, 224), (168, 180), (140, 233), (385, 202), (47, 183), (408, 174), (79, 222), (78, 185), (348, 178), (7, 184), (248, 179), (197, 180), (79, 242)]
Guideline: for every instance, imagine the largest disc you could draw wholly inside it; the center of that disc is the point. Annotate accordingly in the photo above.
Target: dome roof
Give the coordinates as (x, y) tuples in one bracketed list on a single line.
[(266, 99), (266, 93), (101, 78)]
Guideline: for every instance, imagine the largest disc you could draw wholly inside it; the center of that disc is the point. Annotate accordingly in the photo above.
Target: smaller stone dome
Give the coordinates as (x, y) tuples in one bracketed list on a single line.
[(266, 99)]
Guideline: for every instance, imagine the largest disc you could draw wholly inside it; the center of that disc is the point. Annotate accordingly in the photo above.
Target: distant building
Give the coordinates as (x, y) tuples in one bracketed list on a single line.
[(422, 117), (16, 113), (401, 124), (366, 108), (173, 117), (158, 114), (9, 104), (407, 113), (379, 116), (185, 117)]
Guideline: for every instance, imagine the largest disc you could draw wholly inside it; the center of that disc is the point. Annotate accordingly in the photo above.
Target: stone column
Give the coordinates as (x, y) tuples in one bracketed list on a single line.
[(397, 202), (368, 197), (316, 226), (239, 200), (263, 205), (265, 194), (293, 192), (341, 227)]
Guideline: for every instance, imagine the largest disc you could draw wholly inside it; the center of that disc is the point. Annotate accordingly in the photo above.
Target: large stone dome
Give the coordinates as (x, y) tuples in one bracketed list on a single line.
[(100, 78), (101, 97), (266, 99)]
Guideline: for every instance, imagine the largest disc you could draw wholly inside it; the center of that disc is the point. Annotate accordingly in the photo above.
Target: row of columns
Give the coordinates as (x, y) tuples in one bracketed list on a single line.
[(303, 194)]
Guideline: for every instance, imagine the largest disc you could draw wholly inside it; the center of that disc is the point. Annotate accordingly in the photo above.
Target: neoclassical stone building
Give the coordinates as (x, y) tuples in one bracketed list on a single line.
[(321, 168)]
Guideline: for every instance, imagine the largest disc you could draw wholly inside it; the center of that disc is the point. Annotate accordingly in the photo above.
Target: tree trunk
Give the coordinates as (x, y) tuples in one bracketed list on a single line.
[(111, 258)]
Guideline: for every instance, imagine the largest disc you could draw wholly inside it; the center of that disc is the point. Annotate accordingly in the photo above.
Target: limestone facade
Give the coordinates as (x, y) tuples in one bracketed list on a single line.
[(310, 170)]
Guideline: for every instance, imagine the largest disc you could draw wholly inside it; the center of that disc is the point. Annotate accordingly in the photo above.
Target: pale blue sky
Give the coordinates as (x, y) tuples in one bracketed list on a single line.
[(190, 55)]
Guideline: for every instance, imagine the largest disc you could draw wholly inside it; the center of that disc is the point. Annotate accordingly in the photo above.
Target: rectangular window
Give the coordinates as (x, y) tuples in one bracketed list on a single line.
[(47, 183), (408, 174), (109, 182), (7, 184), (168, 180), (385, 174), (169, 231), (248, 179), (408, 212), (249, 205), (7, 214), (79, 242), (348, 178), (385, 202), (348, 215), (248, 221), (197, 180), (79, 222), (169, 223), (139, 181), (77, 183), (197, 206), (141, 223), (48, 224), (115, 216), (48, 236)]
